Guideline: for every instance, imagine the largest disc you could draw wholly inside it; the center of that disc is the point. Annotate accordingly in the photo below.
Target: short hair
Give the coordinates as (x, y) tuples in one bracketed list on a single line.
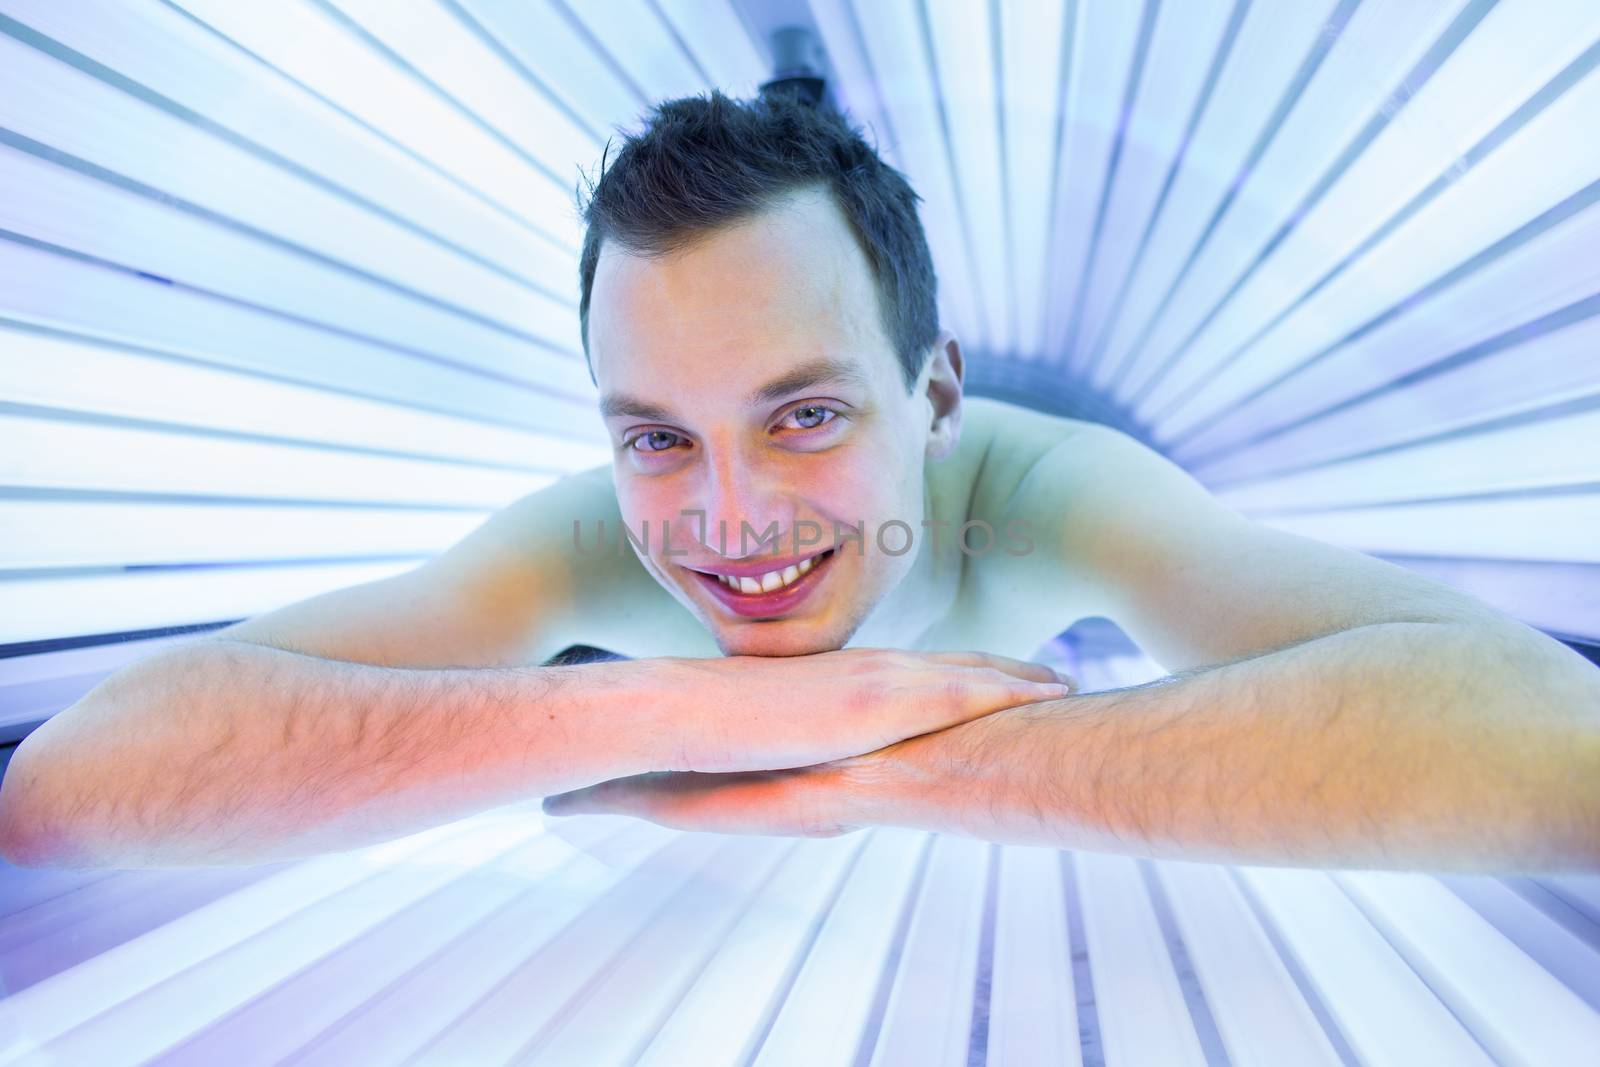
[(703, 162)]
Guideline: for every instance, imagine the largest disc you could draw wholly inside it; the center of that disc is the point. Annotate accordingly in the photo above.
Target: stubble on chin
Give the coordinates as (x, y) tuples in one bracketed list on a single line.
[(752, 642)]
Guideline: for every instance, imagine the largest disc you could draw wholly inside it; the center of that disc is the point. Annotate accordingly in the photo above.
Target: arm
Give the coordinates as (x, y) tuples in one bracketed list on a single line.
[(287, 733), (1390, 745), (1393, 745), (231, 752), (1340, 710), (373, 711), (316, 725)]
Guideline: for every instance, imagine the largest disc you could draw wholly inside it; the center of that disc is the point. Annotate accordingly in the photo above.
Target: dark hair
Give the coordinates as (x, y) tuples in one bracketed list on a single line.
[(702, 162)]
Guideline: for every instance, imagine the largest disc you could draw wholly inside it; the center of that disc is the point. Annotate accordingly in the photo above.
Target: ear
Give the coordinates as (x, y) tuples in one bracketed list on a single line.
[(942, 386)]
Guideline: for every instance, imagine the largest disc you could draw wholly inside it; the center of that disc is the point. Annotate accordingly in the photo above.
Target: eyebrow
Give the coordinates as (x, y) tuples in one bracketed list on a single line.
[(800, 378), (616, 404)]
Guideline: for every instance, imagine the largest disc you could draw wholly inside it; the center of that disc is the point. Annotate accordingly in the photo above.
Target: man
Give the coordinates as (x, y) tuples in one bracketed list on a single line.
[(758, 307)]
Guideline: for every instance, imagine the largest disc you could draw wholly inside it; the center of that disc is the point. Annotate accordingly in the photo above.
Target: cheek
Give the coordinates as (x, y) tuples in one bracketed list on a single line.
[(866, 486), (640, 499)]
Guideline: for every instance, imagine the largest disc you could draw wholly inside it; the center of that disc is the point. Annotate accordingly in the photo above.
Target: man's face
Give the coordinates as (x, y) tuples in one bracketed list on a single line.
[(749, 377)]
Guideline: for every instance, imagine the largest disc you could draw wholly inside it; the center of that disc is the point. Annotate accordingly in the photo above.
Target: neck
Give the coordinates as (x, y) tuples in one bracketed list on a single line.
[(925, 593)]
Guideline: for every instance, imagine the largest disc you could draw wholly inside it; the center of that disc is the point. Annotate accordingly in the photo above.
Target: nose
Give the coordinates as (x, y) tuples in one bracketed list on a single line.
[(743, 498)]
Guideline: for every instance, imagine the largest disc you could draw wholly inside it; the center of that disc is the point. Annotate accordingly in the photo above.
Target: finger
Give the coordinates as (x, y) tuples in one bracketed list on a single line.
[(622, 796), (752, 803), (659, 793), (1019, 668), (783, 803), (989, 685), (575, 802), (974, 692)]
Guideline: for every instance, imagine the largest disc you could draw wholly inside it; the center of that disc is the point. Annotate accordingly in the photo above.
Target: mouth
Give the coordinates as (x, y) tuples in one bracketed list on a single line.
[(768, 595)]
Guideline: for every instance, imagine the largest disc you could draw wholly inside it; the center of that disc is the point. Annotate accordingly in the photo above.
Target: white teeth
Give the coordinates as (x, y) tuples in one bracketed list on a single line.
[(770, 581)]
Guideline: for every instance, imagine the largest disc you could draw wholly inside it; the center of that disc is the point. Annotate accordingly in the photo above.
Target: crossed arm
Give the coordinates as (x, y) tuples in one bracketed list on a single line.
[(1391, 745), (1327, 709)]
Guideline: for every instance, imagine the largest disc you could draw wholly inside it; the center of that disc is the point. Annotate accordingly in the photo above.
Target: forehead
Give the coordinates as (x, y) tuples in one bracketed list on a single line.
[(788, 285)]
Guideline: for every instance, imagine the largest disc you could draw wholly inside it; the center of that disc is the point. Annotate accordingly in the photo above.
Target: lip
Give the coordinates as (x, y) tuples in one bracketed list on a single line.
[(756, 568), (767, 605)]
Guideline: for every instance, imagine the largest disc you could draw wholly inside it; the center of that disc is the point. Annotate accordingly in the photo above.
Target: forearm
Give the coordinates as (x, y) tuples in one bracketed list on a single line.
[(227, 752), (1404, 744)]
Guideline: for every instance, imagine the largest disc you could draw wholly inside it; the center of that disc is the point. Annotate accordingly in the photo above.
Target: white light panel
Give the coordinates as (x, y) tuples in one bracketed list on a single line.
[(40, 607), (287, 303), (1183, 46), (1513, 54), (305, 42)]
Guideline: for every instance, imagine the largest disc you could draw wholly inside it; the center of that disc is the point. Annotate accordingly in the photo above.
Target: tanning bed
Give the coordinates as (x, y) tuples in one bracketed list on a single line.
[(287, 304)]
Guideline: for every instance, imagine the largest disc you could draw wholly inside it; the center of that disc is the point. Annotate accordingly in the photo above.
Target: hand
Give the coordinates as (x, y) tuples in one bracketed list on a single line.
[(799, 802), (930, 782), (757, 713)]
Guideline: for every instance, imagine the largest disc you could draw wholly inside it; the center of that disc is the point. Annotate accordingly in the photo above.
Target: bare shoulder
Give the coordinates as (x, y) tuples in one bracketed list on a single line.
[(1009, 600), (1107, 516), (1067, 495), (1013, 440), (510, 592)]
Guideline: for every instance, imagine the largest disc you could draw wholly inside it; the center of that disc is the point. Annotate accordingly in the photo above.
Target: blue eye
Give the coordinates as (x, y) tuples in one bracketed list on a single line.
[(811, 416), (655, 441)]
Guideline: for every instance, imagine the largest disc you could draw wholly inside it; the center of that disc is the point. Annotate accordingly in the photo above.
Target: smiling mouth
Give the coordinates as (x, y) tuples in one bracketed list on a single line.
[(770, 595), (772, 581)]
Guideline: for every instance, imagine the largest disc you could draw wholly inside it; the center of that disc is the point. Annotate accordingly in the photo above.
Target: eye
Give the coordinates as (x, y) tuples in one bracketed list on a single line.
[(811, 416), (654, 441)]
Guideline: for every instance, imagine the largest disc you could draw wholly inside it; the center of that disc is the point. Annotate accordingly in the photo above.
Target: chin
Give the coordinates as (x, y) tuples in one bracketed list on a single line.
[(775, 639), (781, 637)]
